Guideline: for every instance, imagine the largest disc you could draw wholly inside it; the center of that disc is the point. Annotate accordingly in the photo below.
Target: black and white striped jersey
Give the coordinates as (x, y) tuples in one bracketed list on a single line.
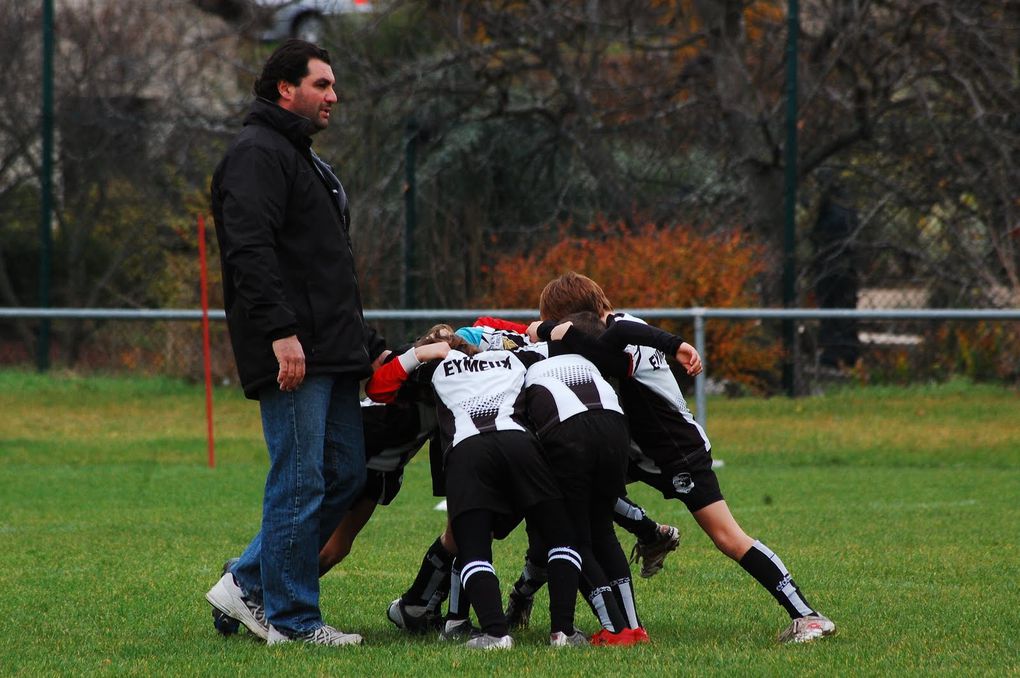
[(563, 386), (491, 339), (481, 393), (395, 432), (660, 421)]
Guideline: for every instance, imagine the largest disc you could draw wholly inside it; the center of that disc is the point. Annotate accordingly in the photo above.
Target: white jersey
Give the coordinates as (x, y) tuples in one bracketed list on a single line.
[(660, 420), (482, 393), (492, 339), (564, 386)]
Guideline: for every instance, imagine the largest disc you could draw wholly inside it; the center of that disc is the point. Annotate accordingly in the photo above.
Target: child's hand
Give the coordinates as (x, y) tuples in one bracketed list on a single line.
[(533, 331), (377, 363), (436, 351), (561, 329), (688, 356)]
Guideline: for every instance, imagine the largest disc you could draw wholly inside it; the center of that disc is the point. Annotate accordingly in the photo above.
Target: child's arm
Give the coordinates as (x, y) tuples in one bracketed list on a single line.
[(565, 338), (387, 380), (623, 332)]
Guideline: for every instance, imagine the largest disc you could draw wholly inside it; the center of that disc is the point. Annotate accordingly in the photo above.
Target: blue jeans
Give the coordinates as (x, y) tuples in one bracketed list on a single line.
[(316, 468)]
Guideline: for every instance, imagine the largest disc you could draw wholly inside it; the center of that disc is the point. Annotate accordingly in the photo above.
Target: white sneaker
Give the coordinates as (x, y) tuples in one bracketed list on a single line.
[(227, 597), (806, 629), (483, 641), (324, 635), (560, 639)]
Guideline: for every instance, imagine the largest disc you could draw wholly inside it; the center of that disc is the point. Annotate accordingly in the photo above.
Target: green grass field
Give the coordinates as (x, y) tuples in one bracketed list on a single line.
[(896, 510)]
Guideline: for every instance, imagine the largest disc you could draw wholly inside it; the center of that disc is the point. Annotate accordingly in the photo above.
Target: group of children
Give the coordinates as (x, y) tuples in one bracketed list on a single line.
[(524, 425)]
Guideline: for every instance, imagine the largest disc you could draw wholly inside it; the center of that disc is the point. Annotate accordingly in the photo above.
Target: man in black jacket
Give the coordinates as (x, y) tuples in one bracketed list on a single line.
[(299, 339)]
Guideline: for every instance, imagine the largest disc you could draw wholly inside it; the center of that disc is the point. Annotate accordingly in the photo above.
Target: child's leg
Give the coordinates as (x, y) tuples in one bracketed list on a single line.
[(473, 532), (575, 468), (533, 577), (431, 584), (458, 608), (757, 559), (563, 562), (654, 542), (634, 519), (614, 563), (339, 544)]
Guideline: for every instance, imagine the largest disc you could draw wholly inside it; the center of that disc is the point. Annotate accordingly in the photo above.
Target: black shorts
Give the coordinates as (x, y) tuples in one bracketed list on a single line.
[(694, 483), (502, 472), (590, 448), (436, 466), (382, 486)]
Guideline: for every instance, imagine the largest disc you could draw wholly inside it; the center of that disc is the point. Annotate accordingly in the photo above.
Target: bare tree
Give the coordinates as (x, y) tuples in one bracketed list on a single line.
[(542, 112), (128, 78)]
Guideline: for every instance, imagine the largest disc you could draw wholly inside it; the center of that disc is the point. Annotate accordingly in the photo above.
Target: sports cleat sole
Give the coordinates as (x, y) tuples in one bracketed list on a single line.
[(221, 598)]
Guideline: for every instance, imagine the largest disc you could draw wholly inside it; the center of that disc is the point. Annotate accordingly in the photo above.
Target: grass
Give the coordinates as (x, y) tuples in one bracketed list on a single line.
[(896, 509)]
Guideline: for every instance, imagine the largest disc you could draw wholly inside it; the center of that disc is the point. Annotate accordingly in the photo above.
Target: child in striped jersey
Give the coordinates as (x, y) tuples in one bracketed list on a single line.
[(494, 473), (413, 609), (584, 436), (675, 454)]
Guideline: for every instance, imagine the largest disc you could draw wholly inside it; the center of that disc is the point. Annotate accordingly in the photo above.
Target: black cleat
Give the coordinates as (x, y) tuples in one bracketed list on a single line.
[(224, 623), (518, 611)]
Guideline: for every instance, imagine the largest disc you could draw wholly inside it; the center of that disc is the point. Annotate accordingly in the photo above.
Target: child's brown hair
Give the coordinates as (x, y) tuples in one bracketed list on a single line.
[(587, 322), (572, 293), (443, 332)]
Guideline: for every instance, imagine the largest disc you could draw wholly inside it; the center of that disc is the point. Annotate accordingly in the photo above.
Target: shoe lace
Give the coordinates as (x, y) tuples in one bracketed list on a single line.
[(636, 553), (325, 634), (256, 609)]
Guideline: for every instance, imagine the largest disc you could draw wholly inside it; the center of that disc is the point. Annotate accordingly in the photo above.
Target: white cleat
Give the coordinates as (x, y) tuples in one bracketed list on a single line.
[(806, 629)]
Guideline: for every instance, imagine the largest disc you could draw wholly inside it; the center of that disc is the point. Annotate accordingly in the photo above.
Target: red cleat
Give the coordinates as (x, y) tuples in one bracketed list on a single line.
[(639, 635), (605, 637)]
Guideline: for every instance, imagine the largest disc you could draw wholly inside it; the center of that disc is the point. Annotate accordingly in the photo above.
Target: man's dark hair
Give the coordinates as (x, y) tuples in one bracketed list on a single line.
[(289, 62)]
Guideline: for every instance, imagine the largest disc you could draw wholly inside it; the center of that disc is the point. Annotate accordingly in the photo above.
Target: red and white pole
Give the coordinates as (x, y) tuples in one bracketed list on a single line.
[(206, 351)]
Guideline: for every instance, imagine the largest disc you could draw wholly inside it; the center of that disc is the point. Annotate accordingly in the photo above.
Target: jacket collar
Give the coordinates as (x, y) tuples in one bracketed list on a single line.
[(296, 128)]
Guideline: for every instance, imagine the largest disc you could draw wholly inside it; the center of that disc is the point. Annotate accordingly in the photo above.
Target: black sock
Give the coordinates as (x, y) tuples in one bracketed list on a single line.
[(564, 568), (766, 567), (482, 588), (431, 585), (633, 518)]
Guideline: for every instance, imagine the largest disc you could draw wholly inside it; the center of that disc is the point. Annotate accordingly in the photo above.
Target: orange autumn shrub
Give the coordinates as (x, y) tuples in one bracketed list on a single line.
[(656, 267)]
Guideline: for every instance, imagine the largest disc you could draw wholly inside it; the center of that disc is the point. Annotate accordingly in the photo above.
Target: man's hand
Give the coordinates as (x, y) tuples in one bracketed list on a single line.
[(291, 357), (688, 356)]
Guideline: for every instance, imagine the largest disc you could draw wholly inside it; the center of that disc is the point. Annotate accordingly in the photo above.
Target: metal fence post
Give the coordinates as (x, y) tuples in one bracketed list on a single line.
[(46, 188), (700, 406)]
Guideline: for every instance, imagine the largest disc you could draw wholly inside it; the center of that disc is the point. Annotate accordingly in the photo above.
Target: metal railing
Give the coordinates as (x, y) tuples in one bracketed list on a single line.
[(698, 315)]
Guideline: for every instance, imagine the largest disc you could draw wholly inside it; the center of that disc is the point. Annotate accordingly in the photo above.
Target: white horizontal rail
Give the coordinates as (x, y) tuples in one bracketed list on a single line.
[(698, 314), (528, 314)]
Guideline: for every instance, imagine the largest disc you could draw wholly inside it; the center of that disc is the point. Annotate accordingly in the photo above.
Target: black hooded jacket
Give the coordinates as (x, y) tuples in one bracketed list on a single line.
[(282, 224)]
